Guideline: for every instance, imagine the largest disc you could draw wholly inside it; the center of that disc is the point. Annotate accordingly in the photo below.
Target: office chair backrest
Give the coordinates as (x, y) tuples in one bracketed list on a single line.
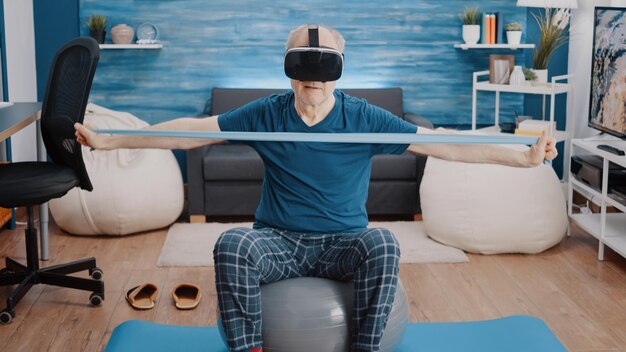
[(65, 101)]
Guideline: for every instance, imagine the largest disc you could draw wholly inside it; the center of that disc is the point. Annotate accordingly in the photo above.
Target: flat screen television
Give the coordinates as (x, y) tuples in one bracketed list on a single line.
[(607, 106)]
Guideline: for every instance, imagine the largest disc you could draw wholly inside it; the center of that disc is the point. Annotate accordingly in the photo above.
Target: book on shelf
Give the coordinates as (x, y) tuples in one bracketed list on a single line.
[(492, 29), (499, 27), (530, 133), (488, 28), (483, 29), (530, 124), (535, 127)]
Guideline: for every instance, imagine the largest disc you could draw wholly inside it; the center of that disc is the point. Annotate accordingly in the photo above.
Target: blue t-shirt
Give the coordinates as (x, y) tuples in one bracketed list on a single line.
[(315, 187)]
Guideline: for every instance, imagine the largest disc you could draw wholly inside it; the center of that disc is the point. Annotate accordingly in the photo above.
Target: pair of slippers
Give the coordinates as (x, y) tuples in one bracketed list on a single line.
[(142, 297)]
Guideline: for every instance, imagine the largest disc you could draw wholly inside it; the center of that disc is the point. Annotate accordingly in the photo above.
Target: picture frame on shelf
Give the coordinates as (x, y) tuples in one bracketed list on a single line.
[(500, 68)]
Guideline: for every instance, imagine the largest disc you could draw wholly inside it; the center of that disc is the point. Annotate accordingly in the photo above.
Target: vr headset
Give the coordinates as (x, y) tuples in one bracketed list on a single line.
[(313, 62)]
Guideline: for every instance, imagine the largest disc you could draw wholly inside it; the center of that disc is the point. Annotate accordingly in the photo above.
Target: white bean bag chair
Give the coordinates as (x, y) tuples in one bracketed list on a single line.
[(134, 189), (486, 208)]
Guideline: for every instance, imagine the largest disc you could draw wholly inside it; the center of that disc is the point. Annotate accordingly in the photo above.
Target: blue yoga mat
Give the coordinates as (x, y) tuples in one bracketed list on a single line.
[(518, 333)]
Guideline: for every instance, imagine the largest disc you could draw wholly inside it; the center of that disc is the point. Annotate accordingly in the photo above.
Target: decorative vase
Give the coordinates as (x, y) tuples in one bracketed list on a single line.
[(514, 37), (98, 36), (122, 34), (542, 76), (517, 77), (471, 33)]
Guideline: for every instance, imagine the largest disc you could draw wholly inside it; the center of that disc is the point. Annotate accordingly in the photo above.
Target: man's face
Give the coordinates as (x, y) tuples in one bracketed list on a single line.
[(313, 92)]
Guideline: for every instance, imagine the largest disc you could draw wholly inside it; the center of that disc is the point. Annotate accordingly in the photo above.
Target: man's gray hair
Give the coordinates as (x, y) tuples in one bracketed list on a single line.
[(341, 43)]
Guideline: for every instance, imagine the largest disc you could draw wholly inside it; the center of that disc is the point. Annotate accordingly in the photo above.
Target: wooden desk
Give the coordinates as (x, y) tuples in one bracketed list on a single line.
[(12, 119)]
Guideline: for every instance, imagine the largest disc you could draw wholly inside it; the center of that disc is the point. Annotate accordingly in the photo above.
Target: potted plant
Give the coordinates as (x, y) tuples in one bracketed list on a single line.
[(471, 28), (513, 33), (97, 27), (529, 74), (552, 27)]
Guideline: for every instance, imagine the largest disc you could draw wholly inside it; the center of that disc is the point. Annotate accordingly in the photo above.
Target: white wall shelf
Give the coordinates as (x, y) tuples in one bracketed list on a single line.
[(494, 46), (131, 46), (608, 228)]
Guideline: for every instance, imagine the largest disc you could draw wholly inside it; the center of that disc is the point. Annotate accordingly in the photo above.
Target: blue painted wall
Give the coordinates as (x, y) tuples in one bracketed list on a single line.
[(56, 22)]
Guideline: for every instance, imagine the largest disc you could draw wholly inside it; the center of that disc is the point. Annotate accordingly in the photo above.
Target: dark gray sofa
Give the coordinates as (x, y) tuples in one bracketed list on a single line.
[(225, 179)]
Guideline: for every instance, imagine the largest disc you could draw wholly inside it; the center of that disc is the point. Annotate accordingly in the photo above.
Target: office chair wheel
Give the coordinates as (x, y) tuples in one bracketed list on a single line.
[(5, 317), (95, 299), (96, 273)]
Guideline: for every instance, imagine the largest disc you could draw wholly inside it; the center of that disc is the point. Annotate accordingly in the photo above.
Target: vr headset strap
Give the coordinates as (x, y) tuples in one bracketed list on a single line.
[(314, 36)]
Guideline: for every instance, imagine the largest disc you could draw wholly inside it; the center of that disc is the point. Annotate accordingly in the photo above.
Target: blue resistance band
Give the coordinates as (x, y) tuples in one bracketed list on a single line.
[(372, 138)]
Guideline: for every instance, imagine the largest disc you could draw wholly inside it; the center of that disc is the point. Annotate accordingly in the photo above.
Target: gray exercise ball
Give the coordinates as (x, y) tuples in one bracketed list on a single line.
[(311, 314)]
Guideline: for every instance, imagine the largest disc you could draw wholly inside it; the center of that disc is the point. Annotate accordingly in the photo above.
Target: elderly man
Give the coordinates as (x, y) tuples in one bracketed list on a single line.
[(311, 220)]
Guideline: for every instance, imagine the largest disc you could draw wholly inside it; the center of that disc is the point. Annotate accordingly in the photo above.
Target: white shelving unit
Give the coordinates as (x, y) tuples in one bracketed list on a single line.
[(552, 89), (494, 46), (609, 229), (548, 89), (131, 46)]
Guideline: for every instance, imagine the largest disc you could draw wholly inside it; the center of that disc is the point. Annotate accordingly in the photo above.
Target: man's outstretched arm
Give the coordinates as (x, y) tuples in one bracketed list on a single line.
[(544, 149), (89, 138)]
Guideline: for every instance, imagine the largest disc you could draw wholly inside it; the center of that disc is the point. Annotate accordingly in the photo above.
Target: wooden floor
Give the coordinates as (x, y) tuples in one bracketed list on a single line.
[(581, 299)]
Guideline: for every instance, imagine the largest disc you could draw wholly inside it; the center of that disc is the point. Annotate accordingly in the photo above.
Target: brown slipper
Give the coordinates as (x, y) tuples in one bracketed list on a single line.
[(142, 297), (186, 296)]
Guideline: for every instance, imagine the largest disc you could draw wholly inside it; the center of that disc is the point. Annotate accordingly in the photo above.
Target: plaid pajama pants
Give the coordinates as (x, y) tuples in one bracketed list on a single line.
[(246, 258)]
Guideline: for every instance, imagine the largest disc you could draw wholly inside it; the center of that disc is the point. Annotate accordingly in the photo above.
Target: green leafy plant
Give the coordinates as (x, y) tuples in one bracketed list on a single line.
[(513, 26), (529, 74), (96, 23), (470, 15), (552, 27)]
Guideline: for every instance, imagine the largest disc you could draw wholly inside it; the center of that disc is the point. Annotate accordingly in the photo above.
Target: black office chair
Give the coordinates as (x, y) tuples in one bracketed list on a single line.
[(28, 184)]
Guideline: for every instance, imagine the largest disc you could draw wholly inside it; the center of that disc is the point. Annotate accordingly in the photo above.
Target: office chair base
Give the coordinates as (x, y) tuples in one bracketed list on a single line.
[(5, 317), (26, 276), (57, 275)]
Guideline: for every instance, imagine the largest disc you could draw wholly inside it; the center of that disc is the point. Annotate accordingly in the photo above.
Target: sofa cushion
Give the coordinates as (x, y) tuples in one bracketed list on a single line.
[(389, 99), (231, 197), (394, 167), (229, 162), (225, 99), (393, 197)]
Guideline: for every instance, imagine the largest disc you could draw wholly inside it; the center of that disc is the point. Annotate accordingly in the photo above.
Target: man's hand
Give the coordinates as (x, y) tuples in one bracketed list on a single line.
[(85, 136), (545, 149)]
